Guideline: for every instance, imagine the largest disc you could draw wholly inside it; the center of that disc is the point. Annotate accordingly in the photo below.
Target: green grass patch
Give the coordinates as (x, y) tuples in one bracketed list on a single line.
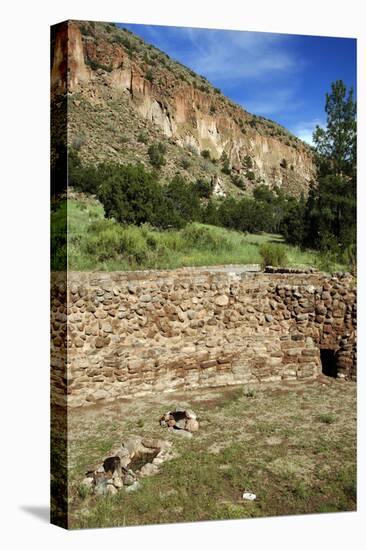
[(95, 243), (327, 418)]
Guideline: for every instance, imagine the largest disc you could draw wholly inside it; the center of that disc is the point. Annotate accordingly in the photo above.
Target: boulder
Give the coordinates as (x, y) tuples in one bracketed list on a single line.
[(181, 424), (148, 469), (190, 414), (192, 425)]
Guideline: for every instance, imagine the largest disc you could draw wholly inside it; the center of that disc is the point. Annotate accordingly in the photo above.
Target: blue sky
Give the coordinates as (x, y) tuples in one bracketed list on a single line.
[(283, 77)]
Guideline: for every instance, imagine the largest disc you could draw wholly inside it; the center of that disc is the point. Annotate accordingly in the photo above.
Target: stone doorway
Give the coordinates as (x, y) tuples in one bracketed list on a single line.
[(329, 362)]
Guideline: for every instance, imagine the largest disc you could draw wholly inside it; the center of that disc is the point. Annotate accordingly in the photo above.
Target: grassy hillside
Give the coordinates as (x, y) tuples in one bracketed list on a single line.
[(100, 244)]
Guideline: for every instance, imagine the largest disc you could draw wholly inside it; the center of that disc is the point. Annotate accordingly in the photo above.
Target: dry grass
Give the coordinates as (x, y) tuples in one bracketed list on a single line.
[(295, 447)]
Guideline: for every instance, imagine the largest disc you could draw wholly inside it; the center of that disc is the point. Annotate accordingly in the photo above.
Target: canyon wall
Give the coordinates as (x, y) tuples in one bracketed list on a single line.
[(128, 334), (100, 68)]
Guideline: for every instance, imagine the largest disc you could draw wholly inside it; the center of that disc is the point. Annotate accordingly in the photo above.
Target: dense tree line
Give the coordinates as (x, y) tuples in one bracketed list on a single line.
[(133, 195), (324, 220), (327, 219)]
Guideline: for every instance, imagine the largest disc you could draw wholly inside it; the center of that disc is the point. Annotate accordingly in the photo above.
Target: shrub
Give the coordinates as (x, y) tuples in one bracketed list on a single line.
[(273, 254), (204, 188), (226, 168), (124, 41), (226, 164), (142, 138), (156, 153), (206, 154), (94, 64), (84, 29), (250, 175), (185, 163), (248, 163), (109, 241), (207, 238), (238, 181), (283, 163), (149, 75), (249, 392)]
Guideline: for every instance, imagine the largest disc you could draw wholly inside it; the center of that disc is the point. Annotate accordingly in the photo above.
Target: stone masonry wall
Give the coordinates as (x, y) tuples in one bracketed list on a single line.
[(122, 334)]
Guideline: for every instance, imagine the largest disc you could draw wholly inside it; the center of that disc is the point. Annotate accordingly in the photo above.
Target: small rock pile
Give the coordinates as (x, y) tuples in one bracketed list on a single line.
[(184, 420), (134, 459)]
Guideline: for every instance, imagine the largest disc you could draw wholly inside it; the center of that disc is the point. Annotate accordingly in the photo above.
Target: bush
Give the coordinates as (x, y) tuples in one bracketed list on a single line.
[(273, 254), (142, 138), (248, 163), (125, 42), (226, 163), (226, 168), (156, 153), (185, 163), (198, 236), (109, 241), (95, 64), (206, 154), (149, 75), (238, 181), (204, 188)]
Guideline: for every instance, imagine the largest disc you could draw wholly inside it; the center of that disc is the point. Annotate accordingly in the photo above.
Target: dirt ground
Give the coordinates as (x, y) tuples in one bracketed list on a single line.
[(294, 446)]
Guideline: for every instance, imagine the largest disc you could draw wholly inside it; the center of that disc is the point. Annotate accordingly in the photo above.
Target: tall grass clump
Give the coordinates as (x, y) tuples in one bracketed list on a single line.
[(107, 240), (273, 254), (207, 238)]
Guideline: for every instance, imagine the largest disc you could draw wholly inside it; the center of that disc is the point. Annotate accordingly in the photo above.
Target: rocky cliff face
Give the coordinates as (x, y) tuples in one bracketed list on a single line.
[(112, 70)]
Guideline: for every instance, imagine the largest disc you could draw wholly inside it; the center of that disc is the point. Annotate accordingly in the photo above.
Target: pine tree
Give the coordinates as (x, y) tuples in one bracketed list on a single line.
[(336, 145)]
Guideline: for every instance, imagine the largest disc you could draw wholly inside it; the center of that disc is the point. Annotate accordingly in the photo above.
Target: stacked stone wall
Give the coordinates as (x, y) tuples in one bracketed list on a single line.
[(123, 334)]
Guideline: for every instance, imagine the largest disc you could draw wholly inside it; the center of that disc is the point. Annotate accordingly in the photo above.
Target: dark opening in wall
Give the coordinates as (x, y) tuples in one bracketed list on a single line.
[(329, 364)]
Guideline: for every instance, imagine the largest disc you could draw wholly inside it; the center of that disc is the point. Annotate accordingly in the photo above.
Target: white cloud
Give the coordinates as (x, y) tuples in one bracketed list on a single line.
[(272, 102), (304, 130), (235, 55), (220, 54)]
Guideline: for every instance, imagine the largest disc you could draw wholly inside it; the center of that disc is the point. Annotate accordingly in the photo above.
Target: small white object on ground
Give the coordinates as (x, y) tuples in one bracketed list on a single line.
[(249, 496)]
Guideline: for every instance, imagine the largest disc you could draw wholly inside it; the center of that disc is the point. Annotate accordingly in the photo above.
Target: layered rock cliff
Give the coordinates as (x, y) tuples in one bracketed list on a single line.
[(125, 94)]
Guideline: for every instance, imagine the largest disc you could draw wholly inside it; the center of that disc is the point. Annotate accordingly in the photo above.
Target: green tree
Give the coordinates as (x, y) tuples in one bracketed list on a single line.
[(336, 145), (129, 194), (292, 225), (183, 199), (204, 188), (330, 213)]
